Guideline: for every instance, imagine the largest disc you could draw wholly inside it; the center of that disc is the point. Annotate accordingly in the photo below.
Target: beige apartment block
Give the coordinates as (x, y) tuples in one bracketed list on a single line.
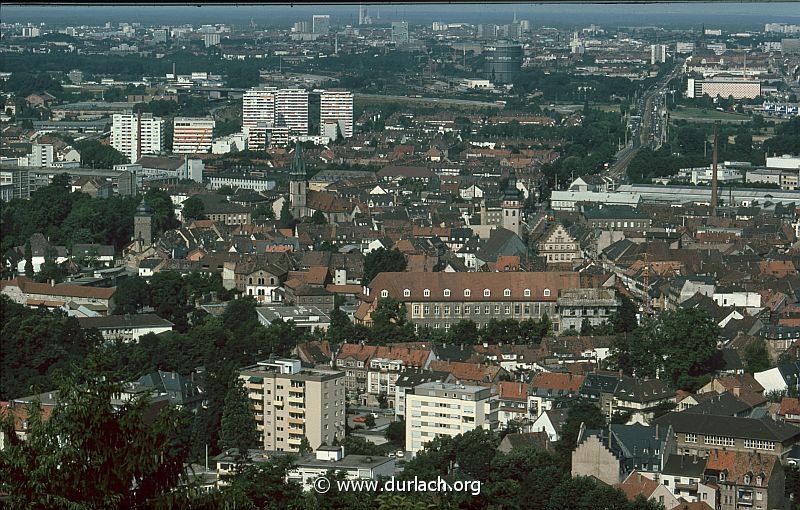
[(291, 402)]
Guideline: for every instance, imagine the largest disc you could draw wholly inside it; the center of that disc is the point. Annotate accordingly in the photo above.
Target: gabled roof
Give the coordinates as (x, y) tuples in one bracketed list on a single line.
[(736, 465), (554, 381), (765, 429), (28, 286)]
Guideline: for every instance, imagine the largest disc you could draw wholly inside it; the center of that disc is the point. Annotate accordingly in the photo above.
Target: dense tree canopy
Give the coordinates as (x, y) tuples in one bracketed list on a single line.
[(92, 454), (383, 261)]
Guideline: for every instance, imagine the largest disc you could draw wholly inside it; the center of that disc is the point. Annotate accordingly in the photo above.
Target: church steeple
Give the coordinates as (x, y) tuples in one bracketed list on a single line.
[(511, 205), (298, 168), (297, 183)]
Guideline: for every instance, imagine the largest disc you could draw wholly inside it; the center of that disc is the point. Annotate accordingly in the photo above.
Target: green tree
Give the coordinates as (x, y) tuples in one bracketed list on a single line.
[(163, 210), (286, 219), (464, 331), (305, 446), (396, 432), (318, 218), (586, 327), (193, 209), (580, 412), (370, 420), (97, 155), (85, 470), (238, 428), (389, 322), (168, 294), (383, 261), (132, 294), (756, 357), (28, 259)]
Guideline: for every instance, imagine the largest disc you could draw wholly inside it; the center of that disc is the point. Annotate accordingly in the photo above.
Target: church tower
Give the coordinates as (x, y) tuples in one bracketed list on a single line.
[(297, 183), (512, 206), (143, 224)]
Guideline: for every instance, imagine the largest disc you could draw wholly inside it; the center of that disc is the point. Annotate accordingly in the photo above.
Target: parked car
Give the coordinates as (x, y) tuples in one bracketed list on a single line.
[(360, 419)]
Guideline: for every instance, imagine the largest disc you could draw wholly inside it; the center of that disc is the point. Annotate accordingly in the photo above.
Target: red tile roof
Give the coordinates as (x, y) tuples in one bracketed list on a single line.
[(790, 405), (566, 382), (476, 284), (738, 464), (28, 286), (468, 372), (510, 390)]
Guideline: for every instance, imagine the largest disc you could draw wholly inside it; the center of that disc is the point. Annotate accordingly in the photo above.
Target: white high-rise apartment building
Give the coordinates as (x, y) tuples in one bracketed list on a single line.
[(337, 105), (192, 135), (439, 409), (320, 23), (291, 403), (41, 155), (258, 105), (131, 140), (291, 110), (658, 54)]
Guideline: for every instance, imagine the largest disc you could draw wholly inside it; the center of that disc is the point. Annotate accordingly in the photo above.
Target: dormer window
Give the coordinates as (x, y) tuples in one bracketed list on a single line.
[(426, 293), (760, 480), (747, 479), (384, 293), (467, 292), (507, 293), (446, 292), (722, 476), (546, 292), (527, 293), (487, 293), (406, 293)]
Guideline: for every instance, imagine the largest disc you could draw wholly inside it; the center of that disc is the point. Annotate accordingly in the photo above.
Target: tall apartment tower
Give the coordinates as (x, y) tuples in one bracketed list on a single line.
[(137, 134), (511, 206), (258, 106), (290, 403), (437, 409), (297, 183), (320, 24), (192, 135), (41, 155), (400, 32), (291, 110), (658, 54), (337, 105)]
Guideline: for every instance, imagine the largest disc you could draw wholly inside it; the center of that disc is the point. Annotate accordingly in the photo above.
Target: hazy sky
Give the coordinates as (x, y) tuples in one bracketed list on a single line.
[(732, 15)]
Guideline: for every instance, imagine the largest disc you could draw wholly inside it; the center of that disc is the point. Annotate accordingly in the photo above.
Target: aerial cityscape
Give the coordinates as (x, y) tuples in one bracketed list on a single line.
[(400, 256)]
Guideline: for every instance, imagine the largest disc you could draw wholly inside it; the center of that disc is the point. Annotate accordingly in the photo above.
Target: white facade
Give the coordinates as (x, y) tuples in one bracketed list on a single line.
[(355, 467), (771, 380), (320, 23), (337, 106), (739, 299), (738, 88), (231, 143), (658, 54), (192, 135), (291, 110), (134, 141), (258, 105), (440, 409), (41, 155), (567, 200), (237, 181), (786, 161)]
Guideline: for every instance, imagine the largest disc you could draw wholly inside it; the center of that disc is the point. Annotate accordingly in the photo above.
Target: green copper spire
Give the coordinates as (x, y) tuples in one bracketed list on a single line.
[(298, 169)]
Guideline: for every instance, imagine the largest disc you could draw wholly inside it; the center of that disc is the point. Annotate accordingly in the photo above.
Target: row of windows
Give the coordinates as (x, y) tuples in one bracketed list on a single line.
[(487, 309), (467, 293)]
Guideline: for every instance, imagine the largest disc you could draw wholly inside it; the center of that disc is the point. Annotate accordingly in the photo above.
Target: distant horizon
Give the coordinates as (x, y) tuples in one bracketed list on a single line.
[(736, 15)]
